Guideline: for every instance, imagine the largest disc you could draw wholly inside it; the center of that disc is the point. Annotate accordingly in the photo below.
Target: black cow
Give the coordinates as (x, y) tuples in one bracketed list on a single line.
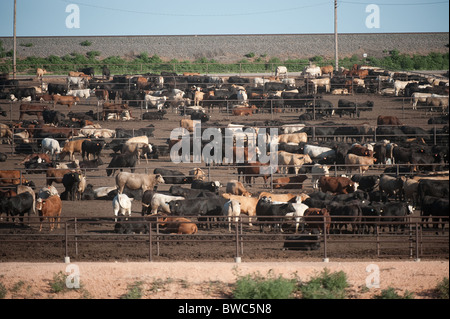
[(303, 241), (435, 188), (121, 161), (2, 112), (134, 226), (53, 117), (190, 193), (106, 73), (155, 115), (3, 157), (91, 147), (91, 165), (172, 176), (395, 212), (267, 211), (202, 206), (71, 181), (20, 93), (209, 186), (371, 212), (437, 208), (197, 115), (88, 193), (88, 71), (366, 183), (54, 88), (321, 107), (18, 205), (146, 202), (343, 214)]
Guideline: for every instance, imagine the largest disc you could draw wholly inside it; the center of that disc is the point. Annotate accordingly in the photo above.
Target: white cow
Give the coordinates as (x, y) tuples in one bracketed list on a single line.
[(281, 70), (155, 101), (401, 85), (321, 82), (312, 71), (122, 205), (50, 145), (84, 93), (300, 209), (79, 81), (419, 97), (232, 209), (318, 151), (161, 202)]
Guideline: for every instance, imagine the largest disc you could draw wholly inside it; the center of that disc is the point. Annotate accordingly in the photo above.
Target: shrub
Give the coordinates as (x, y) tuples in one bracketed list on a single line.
[(326, 286), (3, 291), (59, 283), (257, 286), (443, 289), (134, 291), (86, 43), (391, 293)]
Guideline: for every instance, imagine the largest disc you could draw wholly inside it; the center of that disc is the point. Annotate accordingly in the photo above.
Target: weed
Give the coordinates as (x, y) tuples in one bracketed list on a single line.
[(391, 293), (134, 291), (443, 289), (326, 286)]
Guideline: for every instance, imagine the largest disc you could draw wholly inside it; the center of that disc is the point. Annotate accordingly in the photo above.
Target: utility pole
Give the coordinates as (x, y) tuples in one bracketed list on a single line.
[(15, 43), (336, 55)]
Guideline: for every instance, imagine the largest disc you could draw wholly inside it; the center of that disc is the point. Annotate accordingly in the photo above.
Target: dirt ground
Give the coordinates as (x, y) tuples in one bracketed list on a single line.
[(108, 267)]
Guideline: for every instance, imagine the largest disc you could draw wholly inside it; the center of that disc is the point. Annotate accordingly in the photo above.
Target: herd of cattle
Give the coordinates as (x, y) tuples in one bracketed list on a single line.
[(362, 199)]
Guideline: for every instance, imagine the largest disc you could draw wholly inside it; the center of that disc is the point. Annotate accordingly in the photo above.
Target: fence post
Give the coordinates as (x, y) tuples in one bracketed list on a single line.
[(417, 241), (66, 248), (237, 259), (150, 240), (325, 257)]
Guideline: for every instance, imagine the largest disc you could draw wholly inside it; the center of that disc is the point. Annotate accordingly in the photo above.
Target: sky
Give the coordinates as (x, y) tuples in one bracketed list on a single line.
[(200, 17)]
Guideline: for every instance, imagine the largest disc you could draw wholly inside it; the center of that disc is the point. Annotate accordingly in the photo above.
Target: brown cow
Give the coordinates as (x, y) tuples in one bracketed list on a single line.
[(49, 208), (294, 182), (358, 162), (102, 94), (244, 111), (360, 150), (237, 188), (316, 218), (68, 100), (56, 175), (72, 147), (337, 185), (14, 177), (32, 109), (388, 120), (254, 170), (179, 225)]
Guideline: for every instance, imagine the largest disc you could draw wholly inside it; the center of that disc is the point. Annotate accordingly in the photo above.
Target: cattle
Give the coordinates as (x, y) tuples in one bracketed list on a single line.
[(54, 88), (318, 152), (244, 111), (158, 115), (437, 208), (121, 205), (292, 198), (14, 177), (232, 209), (237, 188), (366, 183), (417, 97), (102, 94), (200, 206), (293, 138), (137, 181), (65, 100), (178, 225), (190, 193), (50, 208), (106, 73), (312, 71), (388, 120), (392, 186), (110, 108), (189, 124), (294, 161), (247, 204), (343, 214), (305, 241), (281, 70), (268, 211), (144, 149), (84, 93), (172, 176), (293, 182), (399, 86), (300, 209), (321, 83), (155, 101), (160, 203), (352, 108), (209, 186), (318, 170), (119, 162), (362, 163), (197, 174), (77, 82), (360, 150), (88, 71), (93, 147), (71, 181), (20, 205), (254, 170), (432, 187), (3, 157), (32, 109), (317, 218), (327, 69), (436, 101), (72, 147), (137, 226), (393, 213), (337, 185), (40, 73)]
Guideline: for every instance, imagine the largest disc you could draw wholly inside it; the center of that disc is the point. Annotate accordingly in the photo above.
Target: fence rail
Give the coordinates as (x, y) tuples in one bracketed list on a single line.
[(415, 239)]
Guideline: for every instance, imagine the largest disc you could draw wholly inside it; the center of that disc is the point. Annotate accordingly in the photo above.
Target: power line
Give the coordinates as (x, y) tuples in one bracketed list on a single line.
[(396, 4), (196, 15)]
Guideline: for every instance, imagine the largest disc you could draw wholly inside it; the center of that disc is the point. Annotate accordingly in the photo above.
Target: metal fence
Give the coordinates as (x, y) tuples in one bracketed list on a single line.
[(410, 237)]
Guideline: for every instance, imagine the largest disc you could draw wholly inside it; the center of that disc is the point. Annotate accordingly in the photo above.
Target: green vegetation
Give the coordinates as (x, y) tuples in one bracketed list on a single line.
[(144, 63), (3, 291), (443, 289), (259, 287), (326, 286), (134, 291), (391, 293)]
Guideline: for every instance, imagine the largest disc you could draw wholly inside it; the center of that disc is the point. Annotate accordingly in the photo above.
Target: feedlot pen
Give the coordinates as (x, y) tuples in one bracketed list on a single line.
[(87, 227)]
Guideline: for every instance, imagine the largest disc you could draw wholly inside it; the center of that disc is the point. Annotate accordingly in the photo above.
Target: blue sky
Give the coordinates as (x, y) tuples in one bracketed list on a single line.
[(181, 17)]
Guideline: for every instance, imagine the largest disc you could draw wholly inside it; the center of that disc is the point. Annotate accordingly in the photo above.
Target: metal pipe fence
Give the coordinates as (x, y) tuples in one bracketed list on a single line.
[(413, 239)]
